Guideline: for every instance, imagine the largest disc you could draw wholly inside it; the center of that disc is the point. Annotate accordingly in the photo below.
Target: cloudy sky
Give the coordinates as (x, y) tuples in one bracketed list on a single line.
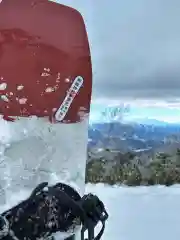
[(135, 49)]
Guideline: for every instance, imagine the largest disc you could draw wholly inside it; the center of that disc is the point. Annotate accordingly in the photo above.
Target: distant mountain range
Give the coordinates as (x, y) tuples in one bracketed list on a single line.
[(136, 137), (151, 121)]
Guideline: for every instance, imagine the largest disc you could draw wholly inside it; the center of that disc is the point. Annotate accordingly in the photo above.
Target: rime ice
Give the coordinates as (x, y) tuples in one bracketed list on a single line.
[(4, 98), (49, 89), (22, 100), (20, 87), (3, 86)]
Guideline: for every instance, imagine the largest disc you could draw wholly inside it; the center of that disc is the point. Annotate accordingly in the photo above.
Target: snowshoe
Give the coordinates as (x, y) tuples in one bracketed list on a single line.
[(50, 210)]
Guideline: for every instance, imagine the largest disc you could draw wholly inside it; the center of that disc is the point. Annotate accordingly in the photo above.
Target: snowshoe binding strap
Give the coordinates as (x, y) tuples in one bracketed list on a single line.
[(52, 209), (94, 212)]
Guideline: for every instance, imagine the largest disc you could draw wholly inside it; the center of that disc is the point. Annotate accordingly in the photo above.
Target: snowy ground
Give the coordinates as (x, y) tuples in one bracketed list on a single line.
[(140, 213), (137, 213)]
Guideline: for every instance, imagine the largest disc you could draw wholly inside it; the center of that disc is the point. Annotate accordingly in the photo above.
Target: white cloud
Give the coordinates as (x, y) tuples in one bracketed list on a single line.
[(159, 103)]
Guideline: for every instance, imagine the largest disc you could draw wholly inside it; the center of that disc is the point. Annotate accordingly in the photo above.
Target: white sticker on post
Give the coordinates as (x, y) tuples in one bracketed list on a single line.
[(72, 92)]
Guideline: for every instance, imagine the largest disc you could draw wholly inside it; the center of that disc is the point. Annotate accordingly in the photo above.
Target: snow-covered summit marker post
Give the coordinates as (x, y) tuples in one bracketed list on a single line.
[(45, 93)]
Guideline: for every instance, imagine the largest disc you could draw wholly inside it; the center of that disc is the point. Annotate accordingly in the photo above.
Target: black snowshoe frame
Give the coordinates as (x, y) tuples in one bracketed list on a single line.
[(52, 209)]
